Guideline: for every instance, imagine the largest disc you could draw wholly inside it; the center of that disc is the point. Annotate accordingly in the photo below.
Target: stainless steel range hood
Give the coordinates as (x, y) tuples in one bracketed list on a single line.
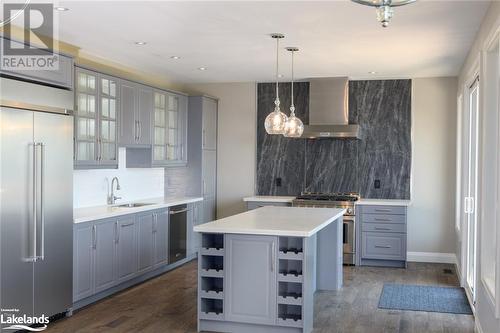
[(329, 110)]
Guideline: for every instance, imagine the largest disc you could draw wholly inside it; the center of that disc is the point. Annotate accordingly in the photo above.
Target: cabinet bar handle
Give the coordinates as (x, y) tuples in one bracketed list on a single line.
[(34, 203), (382, 210), (94, 237), (383, 220), (117, 234), (272, 256), (139, 124), (377, 228), (172, 212), (127, 224), (383, 246)]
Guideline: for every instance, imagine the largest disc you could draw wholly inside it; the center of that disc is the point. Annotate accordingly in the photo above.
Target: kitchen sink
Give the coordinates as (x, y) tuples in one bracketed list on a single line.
[(134, 205)]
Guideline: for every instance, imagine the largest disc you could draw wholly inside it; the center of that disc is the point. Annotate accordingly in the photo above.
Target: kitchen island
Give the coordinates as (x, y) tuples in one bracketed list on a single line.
[(258, 271)]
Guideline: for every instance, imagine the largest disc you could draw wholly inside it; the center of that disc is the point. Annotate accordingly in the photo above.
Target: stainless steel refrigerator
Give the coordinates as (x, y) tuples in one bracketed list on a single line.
[(36, 209)]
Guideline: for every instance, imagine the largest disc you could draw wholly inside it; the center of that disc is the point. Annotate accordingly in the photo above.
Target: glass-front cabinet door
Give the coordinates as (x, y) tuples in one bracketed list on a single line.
[(170, 129), (107, 143), (86, 118), (96, 120)]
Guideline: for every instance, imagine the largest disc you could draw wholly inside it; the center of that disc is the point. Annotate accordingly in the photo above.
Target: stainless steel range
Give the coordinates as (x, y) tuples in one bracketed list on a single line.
[(336, 200)]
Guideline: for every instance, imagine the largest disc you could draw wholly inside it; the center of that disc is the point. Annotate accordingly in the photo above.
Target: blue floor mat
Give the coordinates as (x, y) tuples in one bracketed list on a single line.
[(424, 298)]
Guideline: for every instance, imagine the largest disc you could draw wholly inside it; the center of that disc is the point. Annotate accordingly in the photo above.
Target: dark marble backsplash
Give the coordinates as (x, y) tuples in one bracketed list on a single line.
[(382, 108)]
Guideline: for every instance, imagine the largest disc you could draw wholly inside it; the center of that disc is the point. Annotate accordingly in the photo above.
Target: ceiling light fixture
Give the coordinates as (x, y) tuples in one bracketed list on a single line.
[(293, 126), (372, 72), (61, 9), (175, 57), (275, 121), (202, 68), (140, 43), (384, 8)]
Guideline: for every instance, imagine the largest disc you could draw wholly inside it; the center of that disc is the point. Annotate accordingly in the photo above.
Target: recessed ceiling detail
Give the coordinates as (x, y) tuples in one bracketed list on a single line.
[(336, 38)]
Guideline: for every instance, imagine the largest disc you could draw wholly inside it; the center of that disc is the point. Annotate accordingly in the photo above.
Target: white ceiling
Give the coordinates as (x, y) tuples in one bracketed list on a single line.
[(231, 39)]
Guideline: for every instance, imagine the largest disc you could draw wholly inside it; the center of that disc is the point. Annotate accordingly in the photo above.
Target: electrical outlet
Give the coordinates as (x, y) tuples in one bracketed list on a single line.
[(377, 183), (278, 182)]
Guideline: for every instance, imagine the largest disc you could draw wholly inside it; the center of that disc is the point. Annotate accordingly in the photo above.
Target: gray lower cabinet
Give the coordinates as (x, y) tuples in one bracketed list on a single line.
[(127, 248), (382, 235), (104, 262), (83, 261), (146, 230), (250, 279), (161, 238)]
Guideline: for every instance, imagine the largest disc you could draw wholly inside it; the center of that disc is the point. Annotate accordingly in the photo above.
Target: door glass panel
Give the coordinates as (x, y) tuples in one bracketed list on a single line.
[(172, 136), (91, 103), (105, 86), (91, 83), (159, 153), (112, 131), (170, 153), (172, 119), (104, 130), (82, 81), (112, 109), (105, 106)]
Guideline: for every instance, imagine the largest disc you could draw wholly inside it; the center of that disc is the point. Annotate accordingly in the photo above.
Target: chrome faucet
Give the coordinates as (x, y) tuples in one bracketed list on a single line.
[(112, 198)]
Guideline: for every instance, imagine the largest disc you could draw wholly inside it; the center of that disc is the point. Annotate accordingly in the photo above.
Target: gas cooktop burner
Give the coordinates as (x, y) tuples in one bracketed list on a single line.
[(329, 196)]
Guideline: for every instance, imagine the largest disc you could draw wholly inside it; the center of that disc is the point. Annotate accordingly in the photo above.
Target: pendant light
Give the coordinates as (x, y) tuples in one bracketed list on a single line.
[(294, 126), (275, 121), (384, 8)]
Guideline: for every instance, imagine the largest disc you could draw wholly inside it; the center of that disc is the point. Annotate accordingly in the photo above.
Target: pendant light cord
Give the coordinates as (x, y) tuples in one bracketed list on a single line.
[(293, 106), (277, 67)]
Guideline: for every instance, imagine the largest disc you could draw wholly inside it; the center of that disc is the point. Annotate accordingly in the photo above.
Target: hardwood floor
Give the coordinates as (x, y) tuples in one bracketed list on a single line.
[(168, 304)]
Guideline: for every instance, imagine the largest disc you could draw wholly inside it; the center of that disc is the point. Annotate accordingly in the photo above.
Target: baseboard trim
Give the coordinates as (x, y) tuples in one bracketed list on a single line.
[(433, 257)]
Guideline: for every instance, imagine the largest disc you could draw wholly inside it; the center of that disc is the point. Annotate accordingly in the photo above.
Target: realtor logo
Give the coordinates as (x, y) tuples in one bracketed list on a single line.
[(31, 48)]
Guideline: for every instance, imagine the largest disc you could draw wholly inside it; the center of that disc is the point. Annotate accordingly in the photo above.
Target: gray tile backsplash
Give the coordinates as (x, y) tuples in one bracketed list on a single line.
[(383, 110)]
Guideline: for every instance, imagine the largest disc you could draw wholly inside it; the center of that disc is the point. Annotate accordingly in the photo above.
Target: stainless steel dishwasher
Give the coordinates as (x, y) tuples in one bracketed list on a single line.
[(177, 233)]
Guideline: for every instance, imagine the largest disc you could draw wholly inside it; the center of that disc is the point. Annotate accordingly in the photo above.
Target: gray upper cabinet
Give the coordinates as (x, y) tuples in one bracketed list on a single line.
[(136, 110), (169, 129), (126, 248), (83, 261), (105, 263), (146, 229), (96, 120), (209, 124), (250, 279), (61, 77), (209, 173), (161, 237)]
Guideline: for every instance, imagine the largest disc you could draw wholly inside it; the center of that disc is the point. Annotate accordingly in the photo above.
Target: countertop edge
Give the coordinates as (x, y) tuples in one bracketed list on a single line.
[(284, 233), (383, 202), (128, 211), (270, 198)]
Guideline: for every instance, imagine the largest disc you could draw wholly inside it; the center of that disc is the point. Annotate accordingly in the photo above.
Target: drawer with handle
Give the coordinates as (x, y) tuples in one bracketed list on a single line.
[(390, 210), (384, 246), (384, 227), (383, 218)]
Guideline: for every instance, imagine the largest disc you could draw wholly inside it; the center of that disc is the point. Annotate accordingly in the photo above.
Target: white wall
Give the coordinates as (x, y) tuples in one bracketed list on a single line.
[(485, 316), (236, 142), (431, 215), (90, 187)]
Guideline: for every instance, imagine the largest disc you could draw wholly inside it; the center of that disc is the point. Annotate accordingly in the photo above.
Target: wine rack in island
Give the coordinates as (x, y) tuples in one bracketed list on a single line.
[(211, 277), (290, 281)]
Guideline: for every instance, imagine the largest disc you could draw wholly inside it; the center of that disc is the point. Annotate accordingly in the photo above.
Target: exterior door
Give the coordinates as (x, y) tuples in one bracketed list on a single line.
[(250, 279), (53, 269), (470, 181), (16, 217), (126, 248), (105, 254), (145, 225)]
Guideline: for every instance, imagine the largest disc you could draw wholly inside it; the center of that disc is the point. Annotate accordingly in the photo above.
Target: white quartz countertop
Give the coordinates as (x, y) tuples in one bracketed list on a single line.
[(87, 214), (275, 221), (268, 198), (383, 202)]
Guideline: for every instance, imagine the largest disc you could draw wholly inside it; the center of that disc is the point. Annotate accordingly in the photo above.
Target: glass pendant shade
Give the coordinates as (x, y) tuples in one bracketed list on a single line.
[(276, 120), (294, 126)]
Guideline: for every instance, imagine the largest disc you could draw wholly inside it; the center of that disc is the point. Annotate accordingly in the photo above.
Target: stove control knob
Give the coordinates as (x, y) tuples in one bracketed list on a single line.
[(349, 211)]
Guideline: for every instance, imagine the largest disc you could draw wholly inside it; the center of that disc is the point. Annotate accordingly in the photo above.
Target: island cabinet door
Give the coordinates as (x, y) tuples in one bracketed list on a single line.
[(250, 279)]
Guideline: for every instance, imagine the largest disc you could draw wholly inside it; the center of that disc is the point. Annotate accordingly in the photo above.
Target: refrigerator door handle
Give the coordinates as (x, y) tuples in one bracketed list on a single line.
[(42, 201), (34, 201)]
